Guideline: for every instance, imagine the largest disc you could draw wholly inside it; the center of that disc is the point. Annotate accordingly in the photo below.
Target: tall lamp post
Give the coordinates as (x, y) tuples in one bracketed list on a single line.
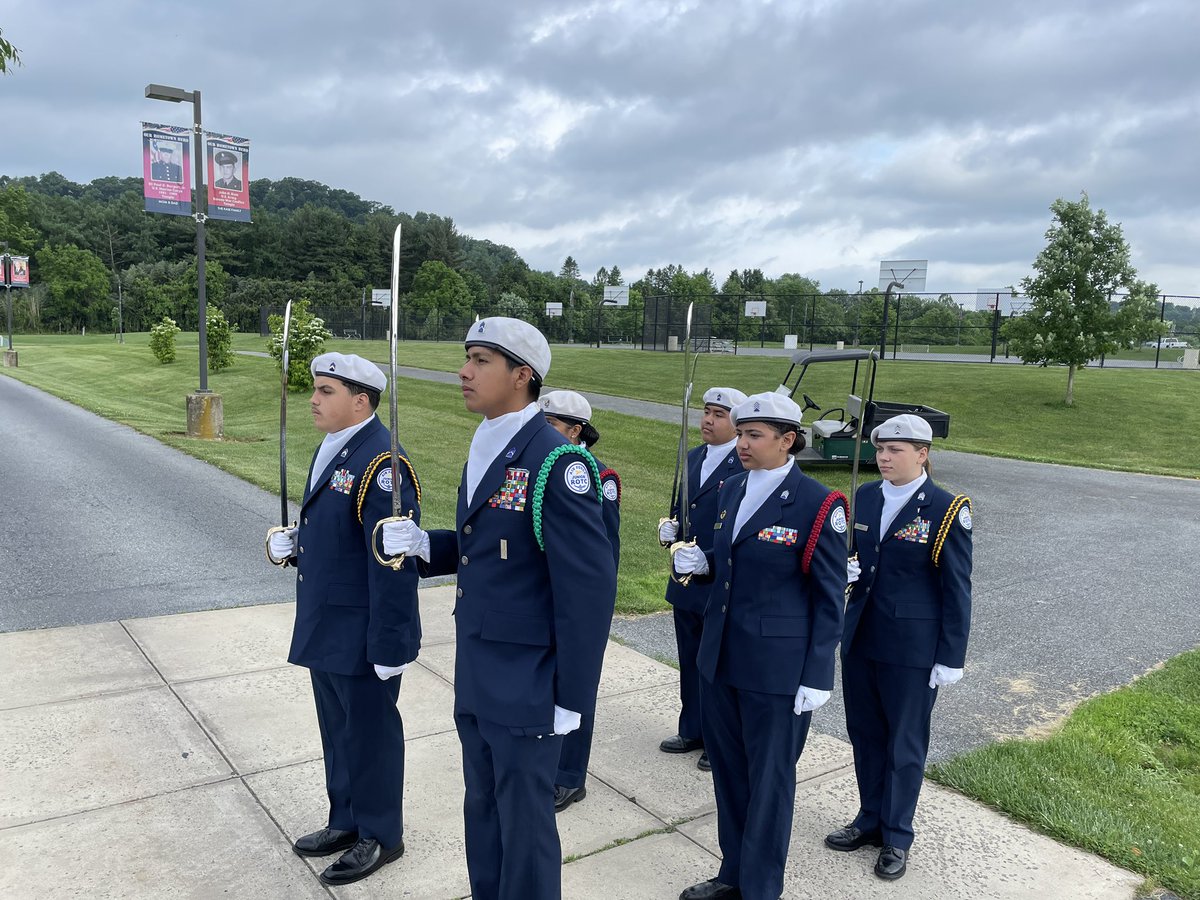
[(5, 265), (204, 408)]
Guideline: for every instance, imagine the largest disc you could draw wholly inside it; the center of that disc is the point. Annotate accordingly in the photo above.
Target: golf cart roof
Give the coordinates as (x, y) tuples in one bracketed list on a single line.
[(807, 357)]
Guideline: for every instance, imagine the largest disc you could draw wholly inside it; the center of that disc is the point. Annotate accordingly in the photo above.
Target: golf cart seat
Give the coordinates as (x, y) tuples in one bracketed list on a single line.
[(827, 428)]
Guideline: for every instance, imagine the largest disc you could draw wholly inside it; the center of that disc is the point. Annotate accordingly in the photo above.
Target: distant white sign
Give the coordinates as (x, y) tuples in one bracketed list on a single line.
[(381, 298), (554, 309), (616, 296), (909, 272), (756, 309)]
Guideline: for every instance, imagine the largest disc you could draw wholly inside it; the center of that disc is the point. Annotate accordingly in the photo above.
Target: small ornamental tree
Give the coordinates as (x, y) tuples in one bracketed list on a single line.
[(305, 340), (162, 340), (1071, 319), (220, 340)]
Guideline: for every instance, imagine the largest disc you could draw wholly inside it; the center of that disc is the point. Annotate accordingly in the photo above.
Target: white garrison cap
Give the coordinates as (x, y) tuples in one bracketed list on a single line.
[(767, 407), (566, 404), (726, 397), (350, 368), (906, 427), (514, 338)]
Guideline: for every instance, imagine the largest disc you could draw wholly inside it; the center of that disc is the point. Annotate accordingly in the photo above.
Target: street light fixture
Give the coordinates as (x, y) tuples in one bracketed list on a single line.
[(178, 95)]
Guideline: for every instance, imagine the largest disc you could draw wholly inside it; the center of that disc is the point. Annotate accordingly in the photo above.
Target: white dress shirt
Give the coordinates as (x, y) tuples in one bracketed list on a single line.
[(713, 456), (331, 446), (760, 484), (492, 436)]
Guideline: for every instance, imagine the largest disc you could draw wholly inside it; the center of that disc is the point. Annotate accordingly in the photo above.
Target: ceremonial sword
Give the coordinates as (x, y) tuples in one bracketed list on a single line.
[(679, 490), (283, 398), (394, 562)]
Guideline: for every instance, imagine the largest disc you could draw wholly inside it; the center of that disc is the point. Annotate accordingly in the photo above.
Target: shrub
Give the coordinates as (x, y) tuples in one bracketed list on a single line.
[(220, 340), (307, 337), (162, 340)]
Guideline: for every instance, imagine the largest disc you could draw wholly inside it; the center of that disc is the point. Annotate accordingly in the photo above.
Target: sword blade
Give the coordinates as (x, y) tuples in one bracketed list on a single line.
[(392, 402), (283, 398), (684, 523)]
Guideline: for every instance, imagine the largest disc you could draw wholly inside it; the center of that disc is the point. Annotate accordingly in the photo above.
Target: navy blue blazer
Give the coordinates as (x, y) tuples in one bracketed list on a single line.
[(531, 624), (903, 609), (702, 513), (768, 626), (610, 488), (351, 612)]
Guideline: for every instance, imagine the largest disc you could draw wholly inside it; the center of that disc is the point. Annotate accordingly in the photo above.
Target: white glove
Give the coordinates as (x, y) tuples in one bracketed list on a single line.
[(386, 672), (943, 675), (566, 721), (283, 544), (808, 699), (668, 531), (853, 570), (405, 537), (690, 561)]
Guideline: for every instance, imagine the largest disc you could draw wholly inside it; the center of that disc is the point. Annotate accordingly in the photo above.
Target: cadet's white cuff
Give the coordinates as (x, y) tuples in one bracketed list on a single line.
[(566, 721)]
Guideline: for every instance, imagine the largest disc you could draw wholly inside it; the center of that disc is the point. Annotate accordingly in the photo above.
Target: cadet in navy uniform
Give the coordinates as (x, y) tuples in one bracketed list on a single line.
[(357, 623), (778, 567), (708, 466), (571, 416), (905, 636), (536, 584)]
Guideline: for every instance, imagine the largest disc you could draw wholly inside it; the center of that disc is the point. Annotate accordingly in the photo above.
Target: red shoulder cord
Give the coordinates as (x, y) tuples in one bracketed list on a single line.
[(822, 514)]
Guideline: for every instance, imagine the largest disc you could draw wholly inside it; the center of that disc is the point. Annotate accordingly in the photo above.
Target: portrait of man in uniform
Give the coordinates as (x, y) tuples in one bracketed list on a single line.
[(226, 161), (165, 167)]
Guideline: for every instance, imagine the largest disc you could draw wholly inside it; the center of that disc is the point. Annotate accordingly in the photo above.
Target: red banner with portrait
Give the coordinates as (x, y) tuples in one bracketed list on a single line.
[(228, 177), (166, 169)]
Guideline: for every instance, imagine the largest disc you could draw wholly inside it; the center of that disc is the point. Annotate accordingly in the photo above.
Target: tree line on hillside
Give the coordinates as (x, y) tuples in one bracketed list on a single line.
[(94, 249)]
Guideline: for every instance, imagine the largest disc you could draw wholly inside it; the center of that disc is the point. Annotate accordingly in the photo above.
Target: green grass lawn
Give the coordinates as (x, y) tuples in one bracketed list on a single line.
[(1120, 777), (1137, 420)]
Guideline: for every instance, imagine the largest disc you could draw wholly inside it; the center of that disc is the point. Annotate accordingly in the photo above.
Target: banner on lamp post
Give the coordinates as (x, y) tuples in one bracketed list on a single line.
[(228, 160), (166, 169), (18, 271)]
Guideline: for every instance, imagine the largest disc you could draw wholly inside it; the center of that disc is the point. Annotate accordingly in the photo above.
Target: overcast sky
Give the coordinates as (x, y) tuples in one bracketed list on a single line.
[(809, 136)]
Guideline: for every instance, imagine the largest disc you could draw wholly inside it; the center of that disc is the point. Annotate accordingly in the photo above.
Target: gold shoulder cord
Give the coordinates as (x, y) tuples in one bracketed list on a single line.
[(947, 522), (369, 475)]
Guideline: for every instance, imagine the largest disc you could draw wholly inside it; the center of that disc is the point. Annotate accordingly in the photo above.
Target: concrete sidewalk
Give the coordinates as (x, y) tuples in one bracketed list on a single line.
[(178, 756)]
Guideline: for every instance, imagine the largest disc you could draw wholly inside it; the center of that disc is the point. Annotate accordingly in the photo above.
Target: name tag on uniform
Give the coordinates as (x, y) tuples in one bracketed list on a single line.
[(778, 534), (342, 481), (513, 492), (916, 532), (859, 526)]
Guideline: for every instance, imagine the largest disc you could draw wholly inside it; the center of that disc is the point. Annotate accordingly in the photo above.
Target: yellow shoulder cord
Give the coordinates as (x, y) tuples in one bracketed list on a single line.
[(947, 522), (369, 475)]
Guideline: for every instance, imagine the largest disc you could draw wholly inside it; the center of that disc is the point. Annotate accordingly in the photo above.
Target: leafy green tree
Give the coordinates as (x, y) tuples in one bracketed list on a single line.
[(438, 287), (9, 55), (15, 220), (220, 340), (162, 340), (570, 269), (307, 334), (79, 284), (1071, 320)]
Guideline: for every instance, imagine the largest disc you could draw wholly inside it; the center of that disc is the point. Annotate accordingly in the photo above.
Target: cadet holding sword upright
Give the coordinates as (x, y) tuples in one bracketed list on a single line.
[(771, 628), (905, 637), (357, 622), (708, 467), (536, 584)]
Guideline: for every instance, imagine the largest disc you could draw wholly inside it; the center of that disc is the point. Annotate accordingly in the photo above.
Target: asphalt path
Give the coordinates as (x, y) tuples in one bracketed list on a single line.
[(1083, 579), (102, 523)]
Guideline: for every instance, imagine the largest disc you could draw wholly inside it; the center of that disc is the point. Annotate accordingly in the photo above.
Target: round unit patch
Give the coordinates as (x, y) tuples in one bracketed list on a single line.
[(384, 479), (838, 520), (964, 518), (577, 478), (610, 490)]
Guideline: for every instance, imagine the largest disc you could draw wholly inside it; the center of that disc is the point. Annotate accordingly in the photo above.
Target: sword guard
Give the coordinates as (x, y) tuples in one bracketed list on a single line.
[(277, 529), (393, 562), (684, 580)]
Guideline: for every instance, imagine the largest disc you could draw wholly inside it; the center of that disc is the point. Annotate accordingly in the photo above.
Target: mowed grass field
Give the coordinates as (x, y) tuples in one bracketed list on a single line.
[(1136, 420)]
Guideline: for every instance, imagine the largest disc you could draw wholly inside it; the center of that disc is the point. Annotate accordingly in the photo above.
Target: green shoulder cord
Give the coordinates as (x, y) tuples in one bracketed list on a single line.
[(539, 487)]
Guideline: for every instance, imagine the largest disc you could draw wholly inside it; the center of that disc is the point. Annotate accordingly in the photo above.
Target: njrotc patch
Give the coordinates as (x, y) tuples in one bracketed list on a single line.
[(916, 532), (577, 478), (342, 481), (610, 490), (964, 517), (777, 534), (512, 492), (837, 519), (384, 479)]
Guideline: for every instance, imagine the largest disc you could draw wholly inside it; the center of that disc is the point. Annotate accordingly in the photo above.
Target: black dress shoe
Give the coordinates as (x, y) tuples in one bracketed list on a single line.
[(711, 890), (851, 838), (891, 863), (325, 842), (360, 861), (678, 744), (565, 796), (703, 763)]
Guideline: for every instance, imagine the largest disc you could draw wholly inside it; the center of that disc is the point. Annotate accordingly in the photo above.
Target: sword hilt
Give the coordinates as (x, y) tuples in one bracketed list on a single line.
[(685, 579), (277, 529), (394, 562), (661, 522)]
